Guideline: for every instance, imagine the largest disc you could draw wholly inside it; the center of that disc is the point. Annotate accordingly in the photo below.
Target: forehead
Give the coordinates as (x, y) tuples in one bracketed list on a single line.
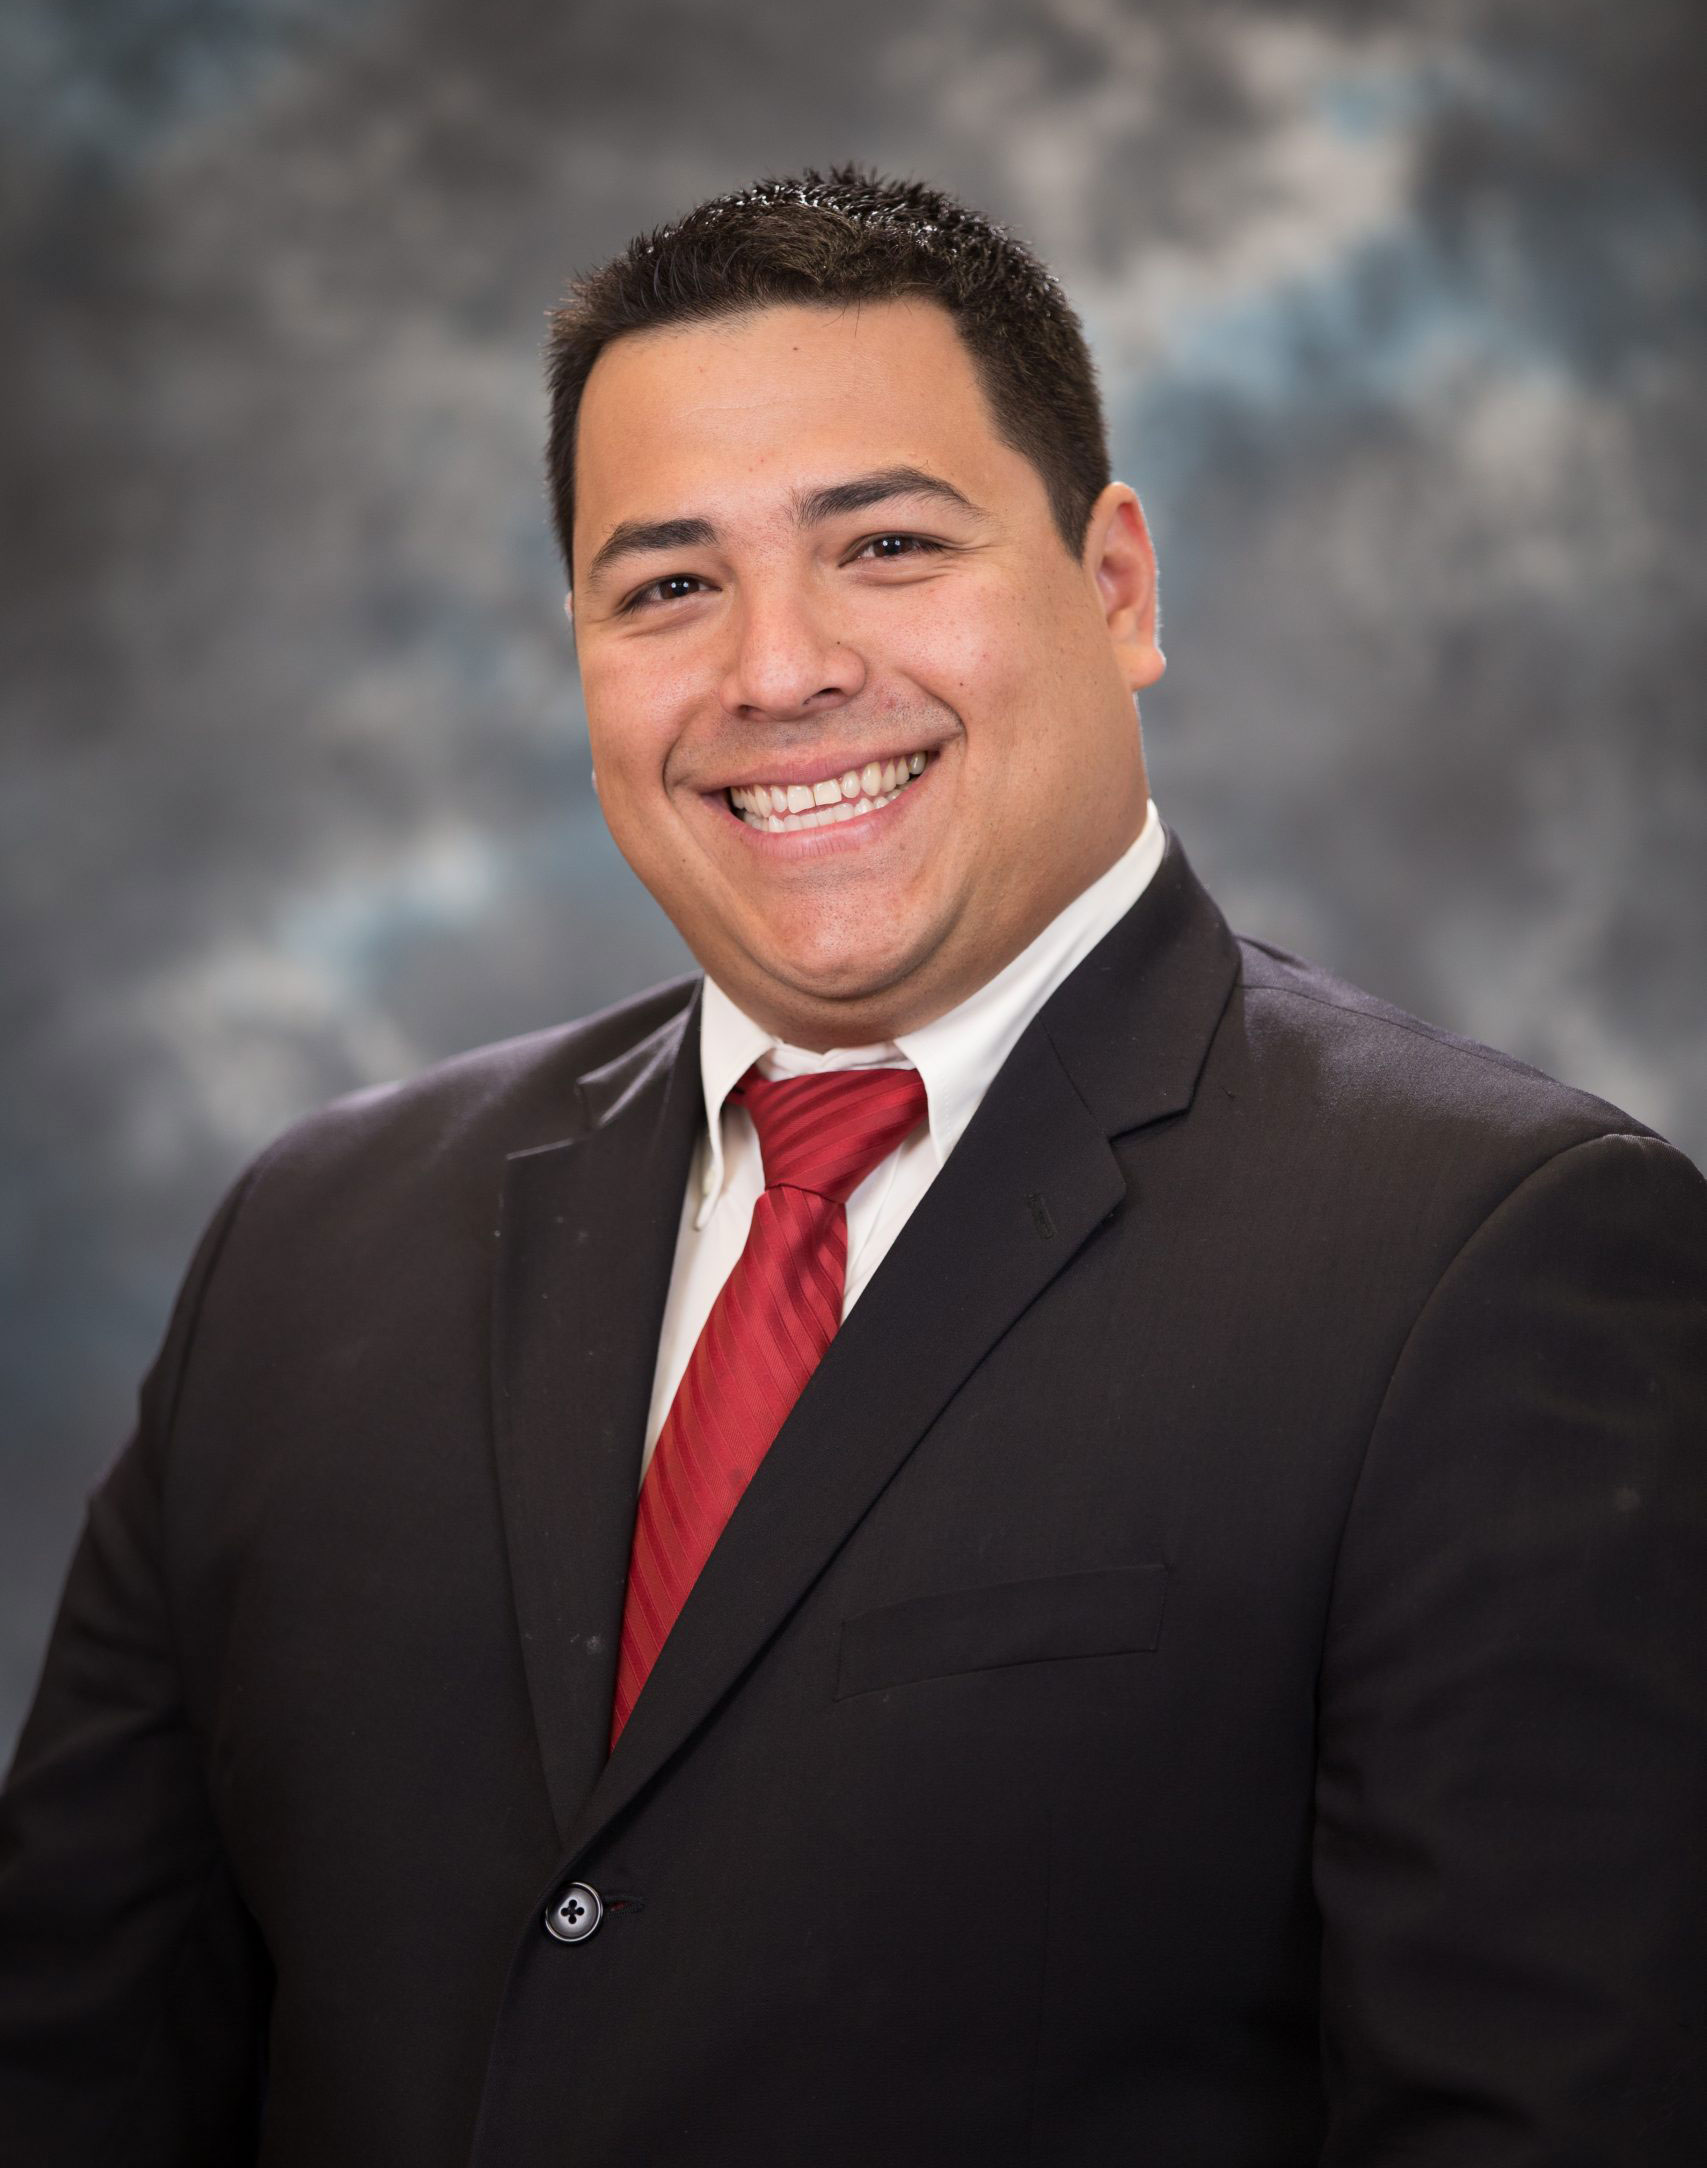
[(753, 406)]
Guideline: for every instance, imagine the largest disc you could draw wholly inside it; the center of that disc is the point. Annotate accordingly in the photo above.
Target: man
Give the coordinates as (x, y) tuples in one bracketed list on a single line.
[(1009, 1531)]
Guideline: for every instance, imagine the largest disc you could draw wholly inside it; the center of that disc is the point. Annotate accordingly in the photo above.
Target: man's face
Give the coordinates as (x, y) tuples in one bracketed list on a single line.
[(860, 721)]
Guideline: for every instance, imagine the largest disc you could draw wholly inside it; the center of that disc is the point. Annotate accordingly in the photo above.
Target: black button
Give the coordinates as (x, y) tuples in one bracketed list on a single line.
[(573, 1916)]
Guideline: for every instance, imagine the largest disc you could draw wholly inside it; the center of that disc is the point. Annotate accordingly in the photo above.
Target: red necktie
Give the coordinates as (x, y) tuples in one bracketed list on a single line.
[(777, 1312)]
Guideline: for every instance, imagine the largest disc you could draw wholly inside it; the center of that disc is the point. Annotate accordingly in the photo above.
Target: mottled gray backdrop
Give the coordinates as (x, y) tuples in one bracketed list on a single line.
[(1400, 314)]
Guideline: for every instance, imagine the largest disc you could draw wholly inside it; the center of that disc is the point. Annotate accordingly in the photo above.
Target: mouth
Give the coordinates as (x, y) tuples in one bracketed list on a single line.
[(849, 795)]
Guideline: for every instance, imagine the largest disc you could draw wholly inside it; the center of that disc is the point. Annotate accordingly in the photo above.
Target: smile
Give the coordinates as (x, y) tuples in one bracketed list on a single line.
[(775, 808)]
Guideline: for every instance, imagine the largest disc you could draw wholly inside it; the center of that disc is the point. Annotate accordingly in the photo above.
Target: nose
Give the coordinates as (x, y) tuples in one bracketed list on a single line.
[(787, 663)]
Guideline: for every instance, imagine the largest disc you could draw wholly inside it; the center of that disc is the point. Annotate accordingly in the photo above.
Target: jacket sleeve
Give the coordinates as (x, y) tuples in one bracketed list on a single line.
[(1512, 1752), (133, 1983)]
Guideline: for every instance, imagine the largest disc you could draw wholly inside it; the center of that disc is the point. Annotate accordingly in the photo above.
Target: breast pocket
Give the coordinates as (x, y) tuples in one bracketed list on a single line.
[(1116, 1613)]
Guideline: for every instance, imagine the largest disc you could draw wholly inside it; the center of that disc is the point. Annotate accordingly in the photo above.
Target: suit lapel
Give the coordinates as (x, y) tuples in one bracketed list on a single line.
[(1120, 1045), (586, 1242)]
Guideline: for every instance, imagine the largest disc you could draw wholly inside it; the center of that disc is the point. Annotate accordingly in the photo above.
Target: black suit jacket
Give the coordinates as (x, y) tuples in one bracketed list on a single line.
[(1210, 1673)]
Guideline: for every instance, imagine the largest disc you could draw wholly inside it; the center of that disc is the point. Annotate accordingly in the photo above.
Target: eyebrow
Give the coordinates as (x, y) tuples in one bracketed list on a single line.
[(634, 537), (859, 495)]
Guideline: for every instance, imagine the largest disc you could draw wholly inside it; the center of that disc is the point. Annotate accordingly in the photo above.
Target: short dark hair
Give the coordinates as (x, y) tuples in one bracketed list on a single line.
[(850, 235)]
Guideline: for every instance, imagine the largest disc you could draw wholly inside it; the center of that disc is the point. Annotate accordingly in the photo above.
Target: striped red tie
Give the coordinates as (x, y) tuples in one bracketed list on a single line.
[(776, 1314)]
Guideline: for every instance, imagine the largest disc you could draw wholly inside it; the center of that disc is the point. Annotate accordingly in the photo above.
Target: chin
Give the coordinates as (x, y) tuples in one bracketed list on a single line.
[(801, 985)]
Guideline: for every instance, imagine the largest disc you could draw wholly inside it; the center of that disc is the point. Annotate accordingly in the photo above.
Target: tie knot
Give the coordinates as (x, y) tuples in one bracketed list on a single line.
[(825, 1133)]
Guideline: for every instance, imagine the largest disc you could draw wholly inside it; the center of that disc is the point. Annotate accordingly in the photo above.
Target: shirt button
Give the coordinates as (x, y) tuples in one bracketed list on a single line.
[(573, 1916)]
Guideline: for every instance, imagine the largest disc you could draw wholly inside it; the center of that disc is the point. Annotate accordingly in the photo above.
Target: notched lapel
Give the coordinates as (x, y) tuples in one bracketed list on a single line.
[(587, 1239), (917, 1331), (1119, 1046)]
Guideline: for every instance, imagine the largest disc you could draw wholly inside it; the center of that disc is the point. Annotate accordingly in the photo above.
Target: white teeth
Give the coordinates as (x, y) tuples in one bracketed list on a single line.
[(779, 808), (824, 816)]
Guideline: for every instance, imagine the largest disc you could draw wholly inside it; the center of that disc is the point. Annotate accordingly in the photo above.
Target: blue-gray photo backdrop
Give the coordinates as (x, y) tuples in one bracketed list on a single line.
[(1399, 312)]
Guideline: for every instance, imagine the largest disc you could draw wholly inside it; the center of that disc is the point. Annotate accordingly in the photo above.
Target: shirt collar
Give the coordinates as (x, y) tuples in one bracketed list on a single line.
[(957, 1053), (730, 1043)]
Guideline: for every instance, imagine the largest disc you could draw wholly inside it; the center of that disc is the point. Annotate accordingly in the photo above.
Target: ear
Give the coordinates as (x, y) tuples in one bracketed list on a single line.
[(1121, 565), (569, 613)]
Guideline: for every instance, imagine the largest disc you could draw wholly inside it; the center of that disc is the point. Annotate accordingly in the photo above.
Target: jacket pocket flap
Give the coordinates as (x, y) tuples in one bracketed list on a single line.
[(1015, 1622)]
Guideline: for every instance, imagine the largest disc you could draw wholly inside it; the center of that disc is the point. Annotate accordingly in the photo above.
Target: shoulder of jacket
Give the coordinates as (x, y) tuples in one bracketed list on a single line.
[(1362, 1051), (510, 1096)]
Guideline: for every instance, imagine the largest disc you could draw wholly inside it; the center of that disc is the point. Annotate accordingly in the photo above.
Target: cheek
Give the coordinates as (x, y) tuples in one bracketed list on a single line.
[(634, 711), (974, 655)]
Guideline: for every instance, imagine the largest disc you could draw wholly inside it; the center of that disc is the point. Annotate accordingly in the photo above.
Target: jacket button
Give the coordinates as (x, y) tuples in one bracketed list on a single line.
[(573, 1916)]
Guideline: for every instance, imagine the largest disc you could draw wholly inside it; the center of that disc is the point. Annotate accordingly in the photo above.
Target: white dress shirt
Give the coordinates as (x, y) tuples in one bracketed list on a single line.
[(957, 1054)]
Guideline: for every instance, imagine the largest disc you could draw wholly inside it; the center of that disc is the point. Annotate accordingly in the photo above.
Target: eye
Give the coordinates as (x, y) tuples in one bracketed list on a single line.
[(672, 587), (888, 549)]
